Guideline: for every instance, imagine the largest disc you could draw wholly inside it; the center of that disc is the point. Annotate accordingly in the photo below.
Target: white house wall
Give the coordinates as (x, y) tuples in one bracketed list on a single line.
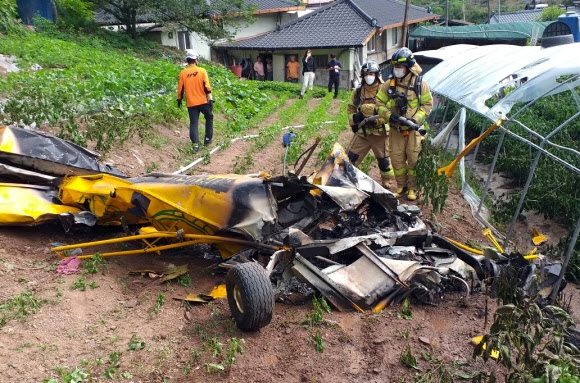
[(200, 44), (264, 23)]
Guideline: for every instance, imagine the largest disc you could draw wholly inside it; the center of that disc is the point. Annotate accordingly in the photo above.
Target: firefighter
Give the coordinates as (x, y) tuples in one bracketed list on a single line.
[(374, 134), (405, 101)]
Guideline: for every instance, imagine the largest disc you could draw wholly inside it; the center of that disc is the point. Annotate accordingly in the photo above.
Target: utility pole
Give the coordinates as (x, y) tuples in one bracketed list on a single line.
[(406, 22)]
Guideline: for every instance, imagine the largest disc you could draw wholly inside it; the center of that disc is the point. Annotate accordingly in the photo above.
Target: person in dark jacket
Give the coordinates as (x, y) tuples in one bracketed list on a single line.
[(333, 68), (308, 67)]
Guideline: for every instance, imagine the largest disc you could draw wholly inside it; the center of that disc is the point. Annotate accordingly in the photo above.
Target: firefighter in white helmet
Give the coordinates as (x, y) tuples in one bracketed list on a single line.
[(194, 84), (405, 101), (375, 133)]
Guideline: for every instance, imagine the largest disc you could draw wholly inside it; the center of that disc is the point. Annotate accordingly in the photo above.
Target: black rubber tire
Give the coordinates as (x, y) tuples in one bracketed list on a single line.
[(250, 296)]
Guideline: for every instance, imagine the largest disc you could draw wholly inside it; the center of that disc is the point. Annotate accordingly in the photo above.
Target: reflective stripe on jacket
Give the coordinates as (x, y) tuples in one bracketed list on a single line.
[(386, 105)]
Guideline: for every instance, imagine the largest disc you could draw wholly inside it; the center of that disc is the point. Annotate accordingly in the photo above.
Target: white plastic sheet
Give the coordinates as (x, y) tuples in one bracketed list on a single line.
[(472, 77)]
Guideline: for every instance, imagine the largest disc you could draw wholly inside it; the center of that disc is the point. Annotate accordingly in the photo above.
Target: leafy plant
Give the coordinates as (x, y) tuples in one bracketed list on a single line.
[(408, 359), (184, 280), (135, 343), (158, 303), (79, 284), (19, 307), (531, 337), (213, 368), (92, 265), (406, 312), (318, 341), (75, 376), (236, 346), (319, 306), (8, 15), (432, 185)]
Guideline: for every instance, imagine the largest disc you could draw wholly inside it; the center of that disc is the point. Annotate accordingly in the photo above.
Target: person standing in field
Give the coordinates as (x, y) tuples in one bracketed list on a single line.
[(308, 68), (374, 134), (292, 69), (333, 68), (194, 84), (259, 69), (405, 95)]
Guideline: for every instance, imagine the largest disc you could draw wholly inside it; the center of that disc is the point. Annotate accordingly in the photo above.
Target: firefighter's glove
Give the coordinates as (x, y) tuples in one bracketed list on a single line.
[(210, 103), (357, 118), (368, 109), (394, 118), (354, 128), (179, 103)]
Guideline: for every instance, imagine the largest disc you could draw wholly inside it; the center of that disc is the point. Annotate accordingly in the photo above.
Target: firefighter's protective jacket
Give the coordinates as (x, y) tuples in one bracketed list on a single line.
[(194, 82), (363, 100), (418, 105)]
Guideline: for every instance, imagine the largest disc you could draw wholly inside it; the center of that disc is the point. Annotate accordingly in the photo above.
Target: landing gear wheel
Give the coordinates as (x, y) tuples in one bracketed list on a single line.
[(250, 296)]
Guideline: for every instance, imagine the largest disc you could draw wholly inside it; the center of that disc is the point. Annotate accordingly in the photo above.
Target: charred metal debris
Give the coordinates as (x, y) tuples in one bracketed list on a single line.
[(336, 231)]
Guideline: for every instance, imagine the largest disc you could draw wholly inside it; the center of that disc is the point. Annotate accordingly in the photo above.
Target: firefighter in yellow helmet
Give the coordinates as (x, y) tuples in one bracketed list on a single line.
[(405, 101), (374, 134)]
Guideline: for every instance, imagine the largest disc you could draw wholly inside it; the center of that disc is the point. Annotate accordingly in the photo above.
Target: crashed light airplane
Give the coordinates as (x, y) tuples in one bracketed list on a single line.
[(337, 230)]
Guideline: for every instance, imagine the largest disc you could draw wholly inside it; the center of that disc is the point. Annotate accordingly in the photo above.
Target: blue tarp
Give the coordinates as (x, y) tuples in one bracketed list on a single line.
[(28, 8)]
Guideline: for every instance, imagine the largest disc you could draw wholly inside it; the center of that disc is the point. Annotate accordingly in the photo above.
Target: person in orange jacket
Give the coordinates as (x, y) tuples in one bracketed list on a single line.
[(194, 83)]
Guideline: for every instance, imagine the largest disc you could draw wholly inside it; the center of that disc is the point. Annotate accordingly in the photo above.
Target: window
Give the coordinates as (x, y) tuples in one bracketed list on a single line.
[(372, 44), (321, 61), (183, 40), (395, 34)]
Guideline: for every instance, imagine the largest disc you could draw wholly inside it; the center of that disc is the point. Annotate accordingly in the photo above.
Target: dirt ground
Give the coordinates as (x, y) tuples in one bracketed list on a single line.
[(128, 326)]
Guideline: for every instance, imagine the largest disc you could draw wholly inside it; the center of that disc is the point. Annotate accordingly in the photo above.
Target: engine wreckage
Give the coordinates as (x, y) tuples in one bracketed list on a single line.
[(337, 231)]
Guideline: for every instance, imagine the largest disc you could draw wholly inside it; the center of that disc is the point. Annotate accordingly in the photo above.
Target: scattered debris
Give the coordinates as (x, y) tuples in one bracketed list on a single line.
[(69, 266), (218, 292), (538, 238), (336, 231), (477, 340), (166, 273)]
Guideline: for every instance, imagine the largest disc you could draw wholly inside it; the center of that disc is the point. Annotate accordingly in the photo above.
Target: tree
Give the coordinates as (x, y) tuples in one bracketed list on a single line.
[(568, 3), (74, 13), (207, 18), (8, 15), (550, 14), (126, 11)]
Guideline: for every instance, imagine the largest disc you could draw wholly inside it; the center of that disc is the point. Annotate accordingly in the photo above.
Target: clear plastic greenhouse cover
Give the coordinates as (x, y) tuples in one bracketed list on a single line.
[(472, 76)]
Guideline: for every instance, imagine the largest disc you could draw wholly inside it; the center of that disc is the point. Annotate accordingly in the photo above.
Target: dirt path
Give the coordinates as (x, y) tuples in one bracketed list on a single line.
[(128, 327)]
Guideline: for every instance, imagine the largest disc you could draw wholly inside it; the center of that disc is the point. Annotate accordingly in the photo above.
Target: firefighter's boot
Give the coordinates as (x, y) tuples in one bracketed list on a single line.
[(401, 192), (411, 196), (387, 177)]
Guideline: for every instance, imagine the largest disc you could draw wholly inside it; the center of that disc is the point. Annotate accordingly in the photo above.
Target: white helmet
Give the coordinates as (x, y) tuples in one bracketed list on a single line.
[(191, 54)]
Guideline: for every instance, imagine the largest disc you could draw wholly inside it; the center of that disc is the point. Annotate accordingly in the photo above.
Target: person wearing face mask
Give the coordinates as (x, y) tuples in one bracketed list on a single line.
[(405, 101), (308, 67), (374, 134)]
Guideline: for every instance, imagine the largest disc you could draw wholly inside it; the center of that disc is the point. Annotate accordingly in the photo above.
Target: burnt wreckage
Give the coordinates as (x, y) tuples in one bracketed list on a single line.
[(336, 231)]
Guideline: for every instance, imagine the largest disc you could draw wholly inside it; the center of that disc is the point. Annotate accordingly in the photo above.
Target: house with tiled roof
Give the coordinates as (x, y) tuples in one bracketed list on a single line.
[(355, 30), (525, 16), (268, 15)]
